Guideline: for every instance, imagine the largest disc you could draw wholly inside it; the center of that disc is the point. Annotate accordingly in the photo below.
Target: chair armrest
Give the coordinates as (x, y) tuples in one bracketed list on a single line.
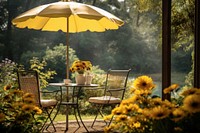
[(96, 88), (119, 89), (114, 90), (55, 91)]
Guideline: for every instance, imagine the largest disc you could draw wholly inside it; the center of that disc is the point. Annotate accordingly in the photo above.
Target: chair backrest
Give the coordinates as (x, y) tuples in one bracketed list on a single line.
[(29, 83), (116, 82)]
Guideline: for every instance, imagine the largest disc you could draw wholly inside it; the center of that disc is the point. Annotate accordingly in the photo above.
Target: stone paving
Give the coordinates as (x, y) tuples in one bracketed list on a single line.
[(73, 127)]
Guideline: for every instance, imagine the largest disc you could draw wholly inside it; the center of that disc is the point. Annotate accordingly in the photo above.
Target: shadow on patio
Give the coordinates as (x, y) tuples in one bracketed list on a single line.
[(60, 127)]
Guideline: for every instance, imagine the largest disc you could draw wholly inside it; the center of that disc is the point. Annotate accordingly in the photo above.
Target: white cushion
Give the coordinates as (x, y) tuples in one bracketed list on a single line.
[(104, 100), (48, 103)]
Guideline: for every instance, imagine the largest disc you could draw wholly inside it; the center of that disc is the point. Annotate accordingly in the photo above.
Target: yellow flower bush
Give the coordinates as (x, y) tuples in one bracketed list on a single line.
[(19, 111), (142, 113), (81, 66)]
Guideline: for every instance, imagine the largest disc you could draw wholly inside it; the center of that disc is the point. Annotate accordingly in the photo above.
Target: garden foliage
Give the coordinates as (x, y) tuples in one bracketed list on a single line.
[(142, 113)]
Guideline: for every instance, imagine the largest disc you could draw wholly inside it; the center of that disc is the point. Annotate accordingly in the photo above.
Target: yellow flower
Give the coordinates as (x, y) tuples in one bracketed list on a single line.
[(137, 124), (121, 118), (81, 66), (118, 110), (178, 114), (29, 100), (134, 98), (108, 129), (7, 87), (178, 129), (192, 103), (171, 88), (17, 92), (131, 107), (191, 91), (37, 110), (27, 108), (168, 104), (28, 95), (125, 102), (156, 101), (146, 112), (18, 105), (2, 117), (159, 113), (143, 83)]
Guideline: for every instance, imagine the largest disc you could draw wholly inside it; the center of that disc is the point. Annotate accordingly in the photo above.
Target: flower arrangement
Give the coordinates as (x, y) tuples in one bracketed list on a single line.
[(18, 111), (81, 66), (142, 113)]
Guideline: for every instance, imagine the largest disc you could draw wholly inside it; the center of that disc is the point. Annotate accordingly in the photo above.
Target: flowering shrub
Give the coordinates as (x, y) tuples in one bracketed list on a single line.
[(81, 66), (142, 113), (18, 112)]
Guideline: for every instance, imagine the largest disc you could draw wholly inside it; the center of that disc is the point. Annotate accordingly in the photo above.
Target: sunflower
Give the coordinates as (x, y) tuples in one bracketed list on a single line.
[(120, 118), (2, 117), (170, 88), (29, 100), (190, 92), (178, 114), (27, 108), (143, 83), (7, 87), (108, 117), (178, 129), (28, 95), (81, 66), (125, 102), (159, 113), (131, 107), (192, 103), (156, 101), (143, 92), (108, 129), (118, 110), (37, 110), (17, 92), (168, 104), (146, 112), (18, 104)]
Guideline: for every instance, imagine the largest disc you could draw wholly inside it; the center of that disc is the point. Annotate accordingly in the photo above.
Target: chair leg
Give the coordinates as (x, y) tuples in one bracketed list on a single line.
[(110, 120), (99, 108), (51, 120), (95, 119)]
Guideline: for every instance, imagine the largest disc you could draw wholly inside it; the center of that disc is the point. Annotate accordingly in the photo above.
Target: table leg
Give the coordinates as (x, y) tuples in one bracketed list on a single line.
[(78, 111), (67, 111)]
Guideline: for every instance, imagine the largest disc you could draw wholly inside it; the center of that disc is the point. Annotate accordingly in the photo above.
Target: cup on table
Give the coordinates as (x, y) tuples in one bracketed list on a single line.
[(67, 81)]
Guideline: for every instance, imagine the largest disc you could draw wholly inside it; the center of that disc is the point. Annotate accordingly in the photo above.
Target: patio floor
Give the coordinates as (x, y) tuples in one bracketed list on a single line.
[(60, 127)]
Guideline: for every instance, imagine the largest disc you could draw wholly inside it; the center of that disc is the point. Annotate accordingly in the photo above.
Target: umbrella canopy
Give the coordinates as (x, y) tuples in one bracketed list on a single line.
[(70, 17)]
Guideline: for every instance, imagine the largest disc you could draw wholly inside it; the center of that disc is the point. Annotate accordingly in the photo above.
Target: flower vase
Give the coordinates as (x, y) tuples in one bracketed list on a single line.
[(80, 79), (88, 79)]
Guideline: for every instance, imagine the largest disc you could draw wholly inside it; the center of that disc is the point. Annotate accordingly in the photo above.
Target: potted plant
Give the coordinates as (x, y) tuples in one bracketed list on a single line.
[(82, 68)]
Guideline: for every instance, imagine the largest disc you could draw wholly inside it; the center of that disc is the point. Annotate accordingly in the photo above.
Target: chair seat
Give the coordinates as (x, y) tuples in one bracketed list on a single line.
[(48, 103), (104, 100)]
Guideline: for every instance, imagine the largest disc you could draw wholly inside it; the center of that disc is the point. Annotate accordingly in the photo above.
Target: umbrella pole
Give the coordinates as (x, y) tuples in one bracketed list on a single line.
[(67, 71), (67, 49)]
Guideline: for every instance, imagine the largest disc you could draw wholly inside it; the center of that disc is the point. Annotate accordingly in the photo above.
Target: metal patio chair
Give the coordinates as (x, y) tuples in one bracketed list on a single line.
[(29, 83), (114, 90)]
